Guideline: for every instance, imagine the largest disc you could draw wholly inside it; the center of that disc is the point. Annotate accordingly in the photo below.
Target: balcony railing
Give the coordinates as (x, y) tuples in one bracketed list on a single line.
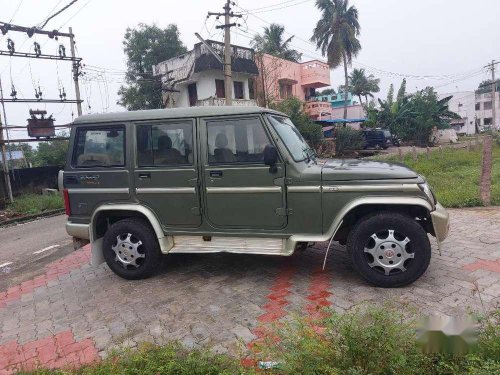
[(211, 102)]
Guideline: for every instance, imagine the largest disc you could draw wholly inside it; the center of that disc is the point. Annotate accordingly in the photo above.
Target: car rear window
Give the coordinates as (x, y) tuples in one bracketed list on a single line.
[(103, 147)]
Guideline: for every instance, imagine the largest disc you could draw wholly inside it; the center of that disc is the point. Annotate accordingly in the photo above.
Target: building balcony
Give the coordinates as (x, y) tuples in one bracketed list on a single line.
[(315, 74), (242, 58), (211, 102)]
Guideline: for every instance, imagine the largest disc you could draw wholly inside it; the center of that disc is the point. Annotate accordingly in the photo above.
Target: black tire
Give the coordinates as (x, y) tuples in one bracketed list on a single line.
[(404, 228), (150, 249)]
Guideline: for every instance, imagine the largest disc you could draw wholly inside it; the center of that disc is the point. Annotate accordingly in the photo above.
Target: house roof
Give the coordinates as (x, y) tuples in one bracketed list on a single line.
[(171, 113)]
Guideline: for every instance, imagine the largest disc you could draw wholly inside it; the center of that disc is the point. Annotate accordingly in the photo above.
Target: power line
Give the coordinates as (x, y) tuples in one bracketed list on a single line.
[(57, 13)]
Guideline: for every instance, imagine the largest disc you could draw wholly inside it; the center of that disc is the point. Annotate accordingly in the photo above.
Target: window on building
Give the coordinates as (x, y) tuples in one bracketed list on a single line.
[(251, 88), (324, 99), (238, 90), (478, 106), (165, 144), (285, 90), (100, 147), (239, 140), (193, 94), (220, 91), (487, 121), (487, 105)]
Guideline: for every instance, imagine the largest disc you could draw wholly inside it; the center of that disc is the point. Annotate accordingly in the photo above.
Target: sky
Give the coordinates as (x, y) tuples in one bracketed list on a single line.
[(440, 43)]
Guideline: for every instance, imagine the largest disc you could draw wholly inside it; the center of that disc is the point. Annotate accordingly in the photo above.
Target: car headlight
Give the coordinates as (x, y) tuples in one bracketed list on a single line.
[(428, 192)]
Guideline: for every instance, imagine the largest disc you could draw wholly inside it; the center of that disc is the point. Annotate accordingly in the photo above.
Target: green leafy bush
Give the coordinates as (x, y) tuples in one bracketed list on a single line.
[(312, 132), (347, 140), (375, 341)]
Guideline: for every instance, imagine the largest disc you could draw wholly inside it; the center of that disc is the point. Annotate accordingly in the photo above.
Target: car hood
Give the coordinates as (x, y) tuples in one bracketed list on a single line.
[(352, 169)]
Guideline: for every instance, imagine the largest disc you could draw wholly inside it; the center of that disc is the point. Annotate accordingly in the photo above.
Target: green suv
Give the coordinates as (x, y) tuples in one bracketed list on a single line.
[(240, 180)]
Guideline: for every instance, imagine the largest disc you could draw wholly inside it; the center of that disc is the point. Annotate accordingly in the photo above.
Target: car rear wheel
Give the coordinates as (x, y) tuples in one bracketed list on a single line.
[(389, 249), (131, 249)]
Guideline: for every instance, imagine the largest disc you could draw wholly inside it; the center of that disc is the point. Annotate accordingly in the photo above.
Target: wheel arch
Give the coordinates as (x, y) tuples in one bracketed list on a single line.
[(364, 205), (105, 215)]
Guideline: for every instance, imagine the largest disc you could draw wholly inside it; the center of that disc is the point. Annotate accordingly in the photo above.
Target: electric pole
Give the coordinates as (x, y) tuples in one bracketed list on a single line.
[(493, 94), (5, 165), (228, 78), (76, 72)]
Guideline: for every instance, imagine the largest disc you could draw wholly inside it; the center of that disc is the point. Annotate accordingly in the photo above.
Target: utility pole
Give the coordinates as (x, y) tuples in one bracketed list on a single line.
[(76, 72), (493, 94), (5, 165), (228, 78)]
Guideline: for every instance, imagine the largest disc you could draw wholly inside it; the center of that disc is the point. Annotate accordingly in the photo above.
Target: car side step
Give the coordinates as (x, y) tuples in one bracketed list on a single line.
[(239, 245)]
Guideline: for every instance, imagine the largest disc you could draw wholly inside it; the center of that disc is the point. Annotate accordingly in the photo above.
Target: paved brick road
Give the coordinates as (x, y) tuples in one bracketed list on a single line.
[(74, 314)]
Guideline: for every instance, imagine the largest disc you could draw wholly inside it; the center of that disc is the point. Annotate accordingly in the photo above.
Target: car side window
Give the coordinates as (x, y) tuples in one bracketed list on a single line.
[(167, 144), (240, 140), (101, 147)]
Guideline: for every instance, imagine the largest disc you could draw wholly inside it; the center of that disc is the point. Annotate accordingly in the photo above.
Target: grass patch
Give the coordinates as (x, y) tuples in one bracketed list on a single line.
[(454, 174), (30, 204), (371, 340)]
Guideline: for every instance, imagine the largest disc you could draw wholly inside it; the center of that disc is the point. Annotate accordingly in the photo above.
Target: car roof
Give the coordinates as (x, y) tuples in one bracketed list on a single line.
[(171, 113)]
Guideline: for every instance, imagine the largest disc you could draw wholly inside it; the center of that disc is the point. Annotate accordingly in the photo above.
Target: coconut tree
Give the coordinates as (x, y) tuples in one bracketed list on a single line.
[(358, 83), (336, 34), (272, 42)]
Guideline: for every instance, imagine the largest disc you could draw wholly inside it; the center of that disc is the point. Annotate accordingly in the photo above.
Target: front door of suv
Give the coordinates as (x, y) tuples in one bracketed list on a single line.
[(166, 171), (240, 191)]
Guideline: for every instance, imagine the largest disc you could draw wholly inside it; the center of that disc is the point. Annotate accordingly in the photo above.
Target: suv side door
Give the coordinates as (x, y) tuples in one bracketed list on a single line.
[(166, 175), (240, 191)]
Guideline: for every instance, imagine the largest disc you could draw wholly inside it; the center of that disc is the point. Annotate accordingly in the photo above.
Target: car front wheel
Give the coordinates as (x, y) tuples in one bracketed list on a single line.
[(131, 249), (389, 249)]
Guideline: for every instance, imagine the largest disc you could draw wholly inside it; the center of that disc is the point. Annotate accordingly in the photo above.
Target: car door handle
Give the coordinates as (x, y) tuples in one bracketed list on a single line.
[(144, 176), (216, 174)]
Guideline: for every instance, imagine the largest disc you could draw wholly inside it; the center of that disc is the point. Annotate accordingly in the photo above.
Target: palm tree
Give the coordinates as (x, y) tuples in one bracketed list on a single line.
[(359, 83), (336, 34), (272, 42)]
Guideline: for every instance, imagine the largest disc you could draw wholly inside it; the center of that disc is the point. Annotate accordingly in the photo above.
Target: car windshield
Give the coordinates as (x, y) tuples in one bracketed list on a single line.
[(291, 137)]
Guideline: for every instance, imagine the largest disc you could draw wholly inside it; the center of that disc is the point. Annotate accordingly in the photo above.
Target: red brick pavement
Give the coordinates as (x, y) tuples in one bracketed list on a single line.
[(53, 271), (56, 351), (487, 265)]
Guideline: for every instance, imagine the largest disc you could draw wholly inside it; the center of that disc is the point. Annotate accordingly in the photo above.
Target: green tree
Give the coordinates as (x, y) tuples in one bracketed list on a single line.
[(362, 85), (401, 91), (485, 86), (390, 94), (144, 47), (273, 43), (329, 91), (52, 152), (292, 106), (413, 117), (336, 34)]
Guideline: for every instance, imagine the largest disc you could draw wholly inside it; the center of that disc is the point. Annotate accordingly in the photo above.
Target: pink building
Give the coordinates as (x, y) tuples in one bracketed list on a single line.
[(279, 79)]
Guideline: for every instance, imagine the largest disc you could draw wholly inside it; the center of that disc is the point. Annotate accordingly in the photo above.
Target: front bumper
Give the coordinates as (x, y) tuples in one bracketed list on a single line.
[(440, 222)]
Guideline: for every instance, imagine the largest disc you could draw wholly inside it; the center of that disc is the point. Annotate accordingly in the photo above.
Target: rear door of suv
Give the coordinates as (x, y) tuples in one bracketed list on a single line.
[(165, 174), (96, 171)]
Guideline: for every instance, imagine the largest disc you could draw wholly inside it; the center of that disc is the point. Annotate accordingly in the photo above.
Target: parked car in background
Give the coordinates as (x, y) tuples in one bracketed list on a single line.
[(238, 180), (379, 138)]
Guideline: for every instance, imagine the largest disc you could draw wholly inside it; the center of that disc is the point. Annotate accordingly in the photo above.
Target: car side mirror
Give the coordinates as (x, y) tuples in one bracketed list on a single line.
[(271, 158)]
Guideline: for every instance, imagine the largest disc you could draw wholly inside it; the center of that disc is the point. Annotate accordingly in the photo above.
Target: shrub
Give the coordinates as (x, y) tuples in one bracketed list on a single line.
[(347, 140), (374, 340)]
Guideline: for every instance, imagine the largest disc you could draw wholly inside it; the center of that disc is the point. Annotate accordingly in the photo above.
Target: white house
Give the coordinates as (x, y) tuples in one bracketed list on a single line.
[(196, 78), (462, 103), (484, 110)]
